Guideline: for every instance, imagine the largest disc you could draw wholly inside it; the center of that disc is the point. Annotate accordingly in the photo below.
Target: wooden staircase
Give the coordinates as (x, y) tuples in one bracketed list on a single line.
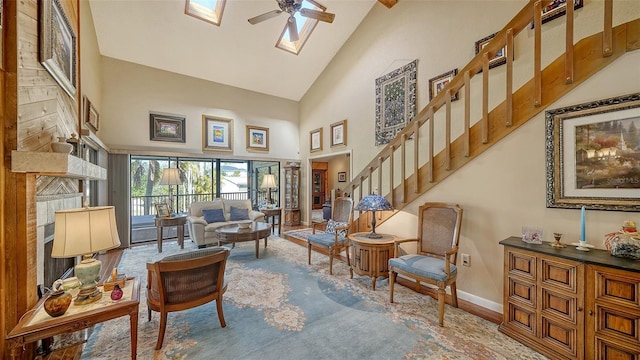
[(405, 181)]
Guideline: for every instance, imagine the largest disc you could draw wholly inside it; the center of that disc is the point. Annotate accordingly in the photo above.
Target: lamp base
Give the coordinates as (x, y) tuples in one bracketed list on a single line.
[(87, 296), (374, 236)]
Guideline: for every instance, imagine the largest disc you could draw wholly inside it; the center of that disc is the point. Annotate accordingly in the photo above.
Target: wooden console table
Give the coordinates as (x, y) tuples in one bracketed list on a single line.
[(371, 256), (36, 324), (178, 221)]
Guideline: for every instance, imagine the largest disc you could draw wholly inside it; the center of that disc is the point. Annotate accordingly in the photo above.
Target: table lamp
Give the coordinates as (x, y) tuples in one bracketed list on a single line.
[(373, 203), (170, 176), (83, 232), (268, 182)]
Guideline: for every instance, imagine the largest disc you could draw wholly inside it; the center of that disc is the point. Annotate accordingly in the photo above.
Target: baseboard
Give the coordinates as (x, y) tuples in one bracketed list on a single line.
[(482, 302)]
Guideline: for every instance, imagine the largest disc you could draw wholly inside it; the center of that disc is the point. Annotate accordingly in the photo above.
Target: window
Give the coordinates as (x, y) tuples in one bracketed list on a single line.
[(206, 10), (305, 27)]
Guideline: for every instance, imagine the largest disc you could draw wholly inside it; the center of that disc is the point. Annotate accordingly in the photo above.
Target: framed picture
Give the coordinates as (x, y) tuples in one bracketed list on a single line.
[(166, 128), (339, 133), (556, 9), (342, 176), (257, 138), (217, 133), (501, 56), (162, 210), (91, 116), (58, 53), (438, 83), (315, 140), (593, 155)]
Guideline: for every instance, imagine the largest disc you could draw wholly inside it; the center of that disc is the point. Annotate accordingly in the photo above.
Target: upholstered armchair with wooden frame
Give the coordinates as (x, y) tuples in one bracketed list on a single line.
[(437, 250), (184, 281), (334, 238)]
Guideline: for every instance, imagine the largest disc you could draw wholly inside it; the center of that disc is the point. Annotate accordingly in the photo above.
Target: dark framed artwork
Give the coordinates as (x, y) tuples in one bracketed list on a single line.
[(257, 138), (91, 116), (593, 155), (556, 9), (342, 176), (395, 102), (217, 133), (164, 127), (436, 84), (500, 57), (58, 52)]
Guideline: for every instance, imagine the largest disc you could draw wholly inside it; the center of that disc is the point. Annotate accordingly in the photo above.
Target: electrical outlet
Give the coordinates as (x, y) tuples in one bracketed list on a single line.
[(466, 259)]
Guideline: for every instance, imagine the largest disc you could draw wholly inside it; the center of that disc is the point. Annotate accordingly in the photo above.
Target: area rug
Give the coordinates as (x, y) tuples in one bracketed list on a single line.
[(278, 307)]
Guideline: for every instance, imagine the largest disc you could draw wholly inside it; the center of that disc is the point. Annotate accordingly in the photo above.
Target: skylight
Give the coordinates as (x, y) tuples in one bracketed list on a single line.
[(206, 10), (305, 27)]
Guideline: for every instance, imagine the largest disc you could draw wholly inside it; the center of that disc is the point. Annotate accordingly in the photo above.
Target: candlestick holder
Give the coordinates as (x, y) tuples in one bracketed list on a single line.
[(557, 244), (582, 246)]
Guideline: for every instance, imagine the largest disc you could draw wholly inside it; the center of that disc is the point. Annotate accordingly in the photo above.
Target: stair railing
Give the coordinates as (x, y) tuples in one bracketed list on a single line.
[(474, 139)]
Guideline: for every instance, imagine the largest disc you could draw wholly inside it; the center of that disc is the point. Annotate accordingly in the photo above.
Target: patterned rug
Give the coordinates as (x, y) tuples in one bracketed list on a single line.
[(278, 307)]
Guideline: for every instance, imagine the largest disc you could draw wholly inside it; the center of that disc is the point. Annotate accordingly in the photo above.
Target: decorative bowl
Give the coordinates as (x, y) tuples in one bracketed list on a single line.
[(61, 147)]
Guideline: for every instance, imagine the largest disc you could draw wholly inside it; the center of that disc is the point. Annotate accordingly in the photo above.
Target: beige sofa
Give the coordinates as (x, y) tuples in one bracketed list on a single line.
[(203, 233)]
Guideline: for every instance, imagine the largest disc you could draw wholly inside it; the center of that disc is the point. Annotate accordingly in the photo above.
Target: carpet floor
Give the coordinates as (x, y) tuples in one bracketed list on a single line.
[(279, 307)]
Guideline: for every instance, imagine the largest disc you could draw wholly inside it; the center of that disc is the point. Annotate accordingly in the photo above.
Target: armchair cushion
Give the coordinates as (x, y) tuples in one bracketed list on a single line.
[(326, 239), (425, 266), (213, 215), (333, 226), (239, 214)]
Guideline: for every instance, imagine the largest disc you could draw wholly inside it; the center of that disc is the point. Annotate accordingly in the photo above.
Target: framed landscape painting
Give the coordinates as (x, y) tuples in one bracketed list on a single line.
[(257, 138), (593, 155), (217, 133), (58, 53), (166, 127)]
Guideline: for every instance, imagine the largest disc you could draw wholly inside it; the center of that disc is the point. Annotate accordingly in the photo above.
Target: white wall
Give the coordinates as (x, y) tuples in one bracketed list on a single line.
[(132, 91), (504, 188)]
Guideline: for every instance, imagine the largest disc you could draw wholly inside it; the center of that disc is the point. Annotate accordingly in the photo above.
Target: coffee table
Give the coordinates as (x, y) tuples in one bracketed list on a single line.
[(234, 233)]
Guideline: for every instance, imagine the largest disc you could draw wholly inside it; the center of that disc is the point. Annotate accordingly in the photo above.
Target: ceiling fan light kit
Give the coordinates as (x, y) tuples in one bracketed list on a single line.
[(292, 7)]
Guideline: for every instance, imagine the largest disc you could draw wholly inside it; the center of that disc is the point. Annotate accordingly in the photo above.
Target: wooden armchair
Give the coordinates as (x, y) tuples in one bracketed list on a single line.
[(334, 238), (437, 250), (183, 281)]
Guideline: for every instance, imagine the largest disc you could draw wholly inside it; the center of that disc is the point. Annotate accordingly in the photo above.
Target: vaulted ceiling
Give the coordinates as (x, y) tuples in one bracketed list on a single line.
[(157, 33)]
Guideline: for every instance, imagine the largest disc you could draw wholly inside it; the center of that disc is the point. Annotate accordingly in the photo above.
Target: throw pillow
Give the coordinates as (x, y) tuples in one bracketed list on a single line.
[(239, 214), (213, 215), (332, 225)]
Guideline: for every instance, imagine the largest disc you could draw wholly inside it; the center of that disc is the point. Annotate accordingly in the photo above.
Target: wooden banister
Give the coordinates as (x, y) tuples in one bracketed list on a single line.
[(519, 105)]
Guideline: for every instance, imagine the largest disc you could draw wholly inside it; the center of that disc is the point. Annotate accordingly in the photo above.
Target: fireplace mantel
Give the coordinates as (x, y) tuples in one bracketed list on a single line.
[(55, 164)]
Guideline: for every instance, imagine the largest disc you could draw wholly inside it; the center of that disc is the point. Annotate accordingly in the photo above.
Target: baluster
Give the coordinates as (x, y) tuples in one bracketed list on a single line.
[(416, 145), (403, 167), (537, 54), (607, 35), (568, 56), (447, 124), (391, 174), (431, 164), (467, 113), (380, 159), (485, 97), (509, 99)]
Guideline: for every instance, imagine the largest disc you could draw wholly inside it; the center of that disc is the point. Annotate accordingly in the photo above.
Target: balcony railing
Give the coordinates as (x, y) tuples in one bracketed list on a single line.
[(144, 205)]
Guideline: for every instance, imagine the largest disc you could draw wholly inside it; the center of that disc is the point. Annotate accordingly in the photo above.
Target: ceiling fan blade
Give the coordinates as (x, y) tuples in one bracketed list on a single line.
[(293, 29), (265, 16), (318, 15)]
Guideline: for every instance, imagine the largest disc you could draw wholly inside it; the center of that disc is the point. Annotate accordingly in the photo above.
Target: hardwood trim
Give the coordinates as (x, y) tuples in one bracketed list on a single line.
[(568, 57)]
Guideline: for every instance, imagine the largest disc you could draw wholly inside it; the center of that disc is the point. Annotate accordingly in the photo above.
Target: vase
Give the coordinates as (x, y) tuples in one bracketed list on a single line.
[(116, 293), (61, 146), (57, 303)]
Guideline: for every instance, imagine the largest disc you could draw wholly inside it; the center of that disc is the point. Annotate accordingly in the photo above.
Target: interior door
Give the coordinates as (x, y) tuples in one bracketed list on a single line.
[(318, 177)]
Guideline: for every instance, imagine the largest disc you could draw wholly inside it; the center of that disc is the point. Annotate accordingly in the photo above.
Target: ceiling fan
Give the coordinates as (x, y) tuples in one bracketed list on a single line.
[(292, 7)]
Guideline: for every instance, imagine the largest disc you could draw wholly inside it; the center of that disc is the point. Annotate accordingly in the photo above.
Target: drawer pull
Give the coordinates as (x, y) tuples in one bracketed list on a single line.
[(590, 312), (579, 309)]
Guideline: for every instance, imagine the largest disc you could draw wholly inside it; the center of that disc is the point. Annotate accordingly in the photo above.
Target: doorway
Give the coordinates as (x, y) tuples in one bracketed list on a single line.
[(319, 184)]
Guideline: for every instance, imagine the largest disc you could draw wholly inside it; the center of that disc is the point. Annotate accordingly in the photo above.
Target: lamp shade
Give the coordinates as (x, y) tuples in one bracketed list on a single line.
[(268, 182), (170, 176), (84, 231), (373, 202)]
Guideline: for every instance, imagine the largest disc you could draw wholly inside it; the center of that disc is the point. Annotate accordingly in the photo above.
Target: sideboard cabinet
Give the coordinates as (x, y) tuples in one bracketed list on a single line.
[(291, 195), (570, 304)]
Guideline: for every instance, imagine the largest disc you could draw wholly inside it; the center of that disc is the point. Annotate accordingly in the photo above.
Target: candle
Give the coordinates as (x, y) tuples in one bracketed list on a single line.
[(582, 227)]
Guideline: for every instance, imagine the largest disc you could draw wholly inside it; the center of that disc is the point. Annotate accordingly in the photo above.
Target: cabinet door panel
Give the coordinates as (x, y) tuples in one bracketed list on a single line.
[(522, 265), (618, 323), (522, 318), (522, 291), (615, 351), (559, 337), (561, 275), (559, 305)]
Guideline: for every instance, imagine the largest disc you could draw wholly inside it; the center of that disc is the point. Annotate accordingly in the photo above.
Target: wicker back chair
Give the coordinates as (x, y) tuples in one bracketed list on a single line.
[(334, 238), (183, 281), (437, 250)]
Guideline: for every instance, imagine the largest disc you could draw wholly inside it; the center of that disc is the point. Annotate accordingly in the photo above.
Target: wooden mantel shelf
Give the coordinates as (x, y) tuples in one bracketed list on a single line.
[(55, 164)]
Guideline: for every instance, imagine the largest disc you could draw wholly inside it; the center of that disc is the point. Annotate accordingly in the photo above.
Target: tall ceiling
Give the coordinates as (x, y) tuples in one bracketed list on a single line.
[(157, 33)]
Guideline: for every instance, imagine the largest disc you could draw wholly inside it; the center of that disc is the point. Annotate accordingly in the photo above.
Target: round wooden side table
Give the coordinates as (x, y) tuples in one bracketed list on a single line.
[(371, 256)]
